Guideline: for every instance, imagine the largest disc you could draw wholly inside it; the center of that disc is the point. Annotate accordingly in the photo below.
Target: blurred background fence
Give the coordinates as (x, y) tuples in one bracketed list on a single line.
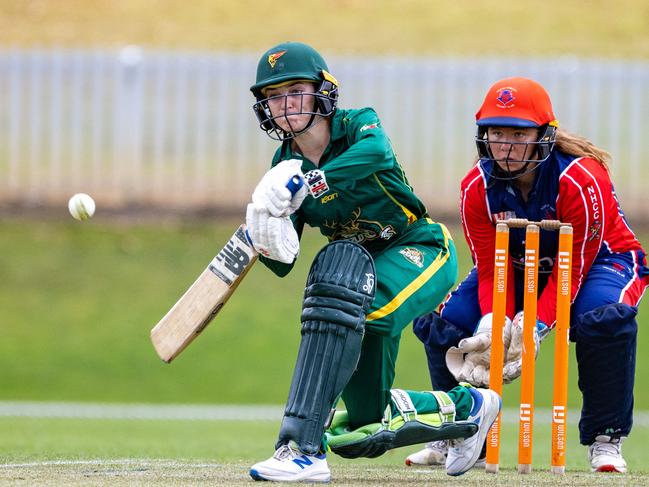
[(176, 129)]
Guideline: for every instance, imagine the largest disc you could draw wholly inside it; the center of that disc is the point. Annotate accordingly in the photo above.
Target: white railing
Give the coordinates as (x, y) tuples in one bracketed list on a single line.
[(177, 129)]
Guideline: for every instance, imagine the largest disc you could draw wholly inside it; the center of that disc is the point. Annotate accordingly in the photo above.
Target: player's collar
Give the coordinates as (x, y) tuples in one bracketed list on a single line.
[(338, 130)]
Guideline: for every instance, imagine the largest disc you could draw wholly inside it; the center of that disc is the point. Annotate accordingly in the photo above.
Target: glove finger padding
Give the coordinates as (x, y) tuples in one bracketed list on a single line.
[(257, 228), (512, 371), (476, 369), (272, 194), (283, 242), (514, 351), (469, 361), (272, 237)]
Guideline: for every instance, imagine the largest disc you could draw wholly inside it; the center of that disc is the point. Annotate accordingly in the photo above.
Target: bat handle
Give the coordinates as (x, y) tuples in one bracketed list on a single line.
[(294, 184)]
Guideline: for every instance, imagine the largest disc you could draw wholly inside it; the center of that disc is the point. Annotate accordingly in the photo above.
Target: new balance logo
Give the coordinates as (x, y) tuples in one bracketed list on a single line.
[(302, 461)]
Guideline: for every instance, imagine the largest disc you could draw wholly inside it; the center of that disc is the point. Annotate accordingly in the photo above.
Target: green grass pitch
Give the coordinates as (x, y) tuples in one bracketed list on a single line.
[(78, 301)]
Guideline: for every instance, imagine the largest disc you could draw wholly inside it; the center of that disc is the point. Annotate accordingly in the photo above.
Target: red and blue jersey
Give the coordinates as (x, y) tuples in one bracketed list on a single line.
[(574, 190)]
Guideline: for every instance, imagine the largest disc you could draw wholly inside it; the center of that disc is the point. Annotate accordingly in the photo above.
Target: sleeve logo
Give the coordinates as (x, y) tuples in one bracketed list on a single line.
[(369, 126), (413, 255)]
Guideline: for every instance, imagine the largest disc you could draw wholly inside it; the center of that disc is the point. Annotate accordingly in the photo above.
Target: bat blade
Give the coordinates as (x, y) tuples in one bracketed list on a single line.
[(205, 297)]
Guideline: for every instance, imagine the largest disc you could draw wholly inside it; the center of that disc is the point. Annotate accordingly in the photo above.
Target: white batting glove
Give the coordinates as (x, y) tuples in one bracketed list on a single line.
[(284, 244), (272, 194), (257, 227), (272, 237), (470, 360), (514, 351)]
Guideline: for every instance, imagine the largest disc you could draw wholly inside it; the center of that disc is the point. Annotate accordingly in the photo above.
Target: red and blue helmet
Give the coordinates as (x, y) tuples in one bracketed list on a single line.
[(517, 102)]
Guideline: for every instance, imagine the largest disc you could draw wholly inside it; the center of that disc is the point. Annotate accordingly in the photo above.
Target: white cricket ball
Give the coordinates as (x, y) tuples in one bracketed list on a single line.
[(81, 206)]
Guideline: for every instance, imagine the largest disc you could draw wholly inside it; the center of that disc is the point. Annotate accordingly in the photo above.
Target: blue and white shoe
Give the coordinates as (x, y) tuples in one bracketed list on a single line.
[(290, 465), (463, 453)]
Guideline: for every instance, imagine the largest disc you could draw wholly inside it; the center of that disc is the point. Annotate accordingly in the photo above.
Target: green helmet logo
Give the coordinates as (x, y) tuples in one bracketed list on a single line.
[(292, 62), (272, 58)]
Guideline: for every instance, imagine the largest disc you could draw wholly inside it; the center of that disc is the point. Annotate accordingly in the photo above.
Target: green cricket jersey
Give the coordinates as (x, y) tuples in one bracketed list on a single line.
[(369, 200)]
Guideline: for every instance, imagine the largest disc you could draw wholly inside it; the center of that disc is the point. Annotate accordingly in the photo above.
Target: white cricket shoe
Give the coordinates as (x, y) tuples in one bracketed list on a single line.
[(605, 455), (434, 453), (291, 465), (463, 453)]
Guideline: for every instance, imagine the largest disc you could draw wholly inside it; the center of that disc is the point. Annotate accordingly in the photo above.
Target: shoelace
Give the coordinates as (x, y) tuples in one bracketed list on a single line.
[(283, 452), (600, 448)]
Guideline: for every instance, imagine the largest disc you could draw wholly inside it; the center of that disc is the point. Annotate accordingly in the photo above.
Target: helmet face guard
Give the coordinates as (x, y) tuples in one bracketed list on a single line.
[(516, 103), (541, 150), (292, 62), (324, 104)]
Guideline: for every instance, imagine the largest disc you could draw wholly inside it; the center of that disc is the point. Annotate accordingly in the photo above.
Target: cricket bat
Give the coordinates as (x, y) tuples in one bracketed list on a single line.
[(205, 298)]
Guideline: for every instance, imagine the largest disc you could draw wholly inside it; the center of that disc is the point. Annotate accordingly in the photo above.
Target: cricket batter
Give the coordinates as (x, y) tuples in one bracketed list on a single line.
[(387, 262), (530, 168)]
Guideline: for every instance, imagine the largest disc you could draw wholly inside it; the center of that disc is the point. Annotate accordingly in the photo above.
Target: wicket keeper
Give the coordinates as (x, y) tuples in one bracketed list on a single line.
[(530, 168), (387, 262)]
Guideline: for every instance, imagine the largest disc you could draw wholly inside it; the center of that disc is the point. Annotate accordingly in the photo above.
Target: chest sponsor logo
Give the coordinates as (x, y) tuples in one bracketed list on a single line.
[(326, 199), (503, 215), (413, 255)]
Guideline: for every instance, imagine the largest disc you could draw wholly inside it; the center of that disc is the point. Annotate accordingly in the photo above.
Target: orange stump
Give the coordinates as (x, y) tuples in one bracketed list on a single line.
[(497, 347), (530, 293), (530, 304), (560, 393)]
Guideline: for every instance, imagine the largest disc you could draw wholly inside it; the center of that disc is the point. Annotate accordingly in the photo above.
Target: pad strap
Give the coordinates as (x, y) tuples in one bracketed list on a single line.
[(404, 404), (446, 406)]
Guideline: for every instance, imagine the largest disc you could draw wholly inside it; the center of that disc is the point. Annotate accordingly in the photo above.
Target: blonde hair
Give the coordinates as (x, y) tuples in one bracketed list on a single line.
[(578, 146)]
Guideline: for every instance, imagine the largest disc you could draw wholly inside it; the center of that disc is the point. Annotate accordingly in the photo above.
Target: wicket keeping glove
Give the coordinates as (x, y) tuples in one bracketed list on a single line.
[(272, 194), (470, 360), (514, 350)]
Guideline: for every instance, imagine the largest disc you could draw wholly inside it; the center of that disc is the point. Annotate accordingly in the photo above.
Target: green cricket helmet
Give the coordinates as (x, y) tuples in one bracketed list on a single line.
[(287, 63)]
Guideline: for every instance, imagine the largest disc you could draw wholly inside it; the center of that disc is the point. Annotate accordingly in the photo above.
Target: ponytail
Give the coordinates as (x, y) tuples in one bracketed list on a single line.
[(578, 146)]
